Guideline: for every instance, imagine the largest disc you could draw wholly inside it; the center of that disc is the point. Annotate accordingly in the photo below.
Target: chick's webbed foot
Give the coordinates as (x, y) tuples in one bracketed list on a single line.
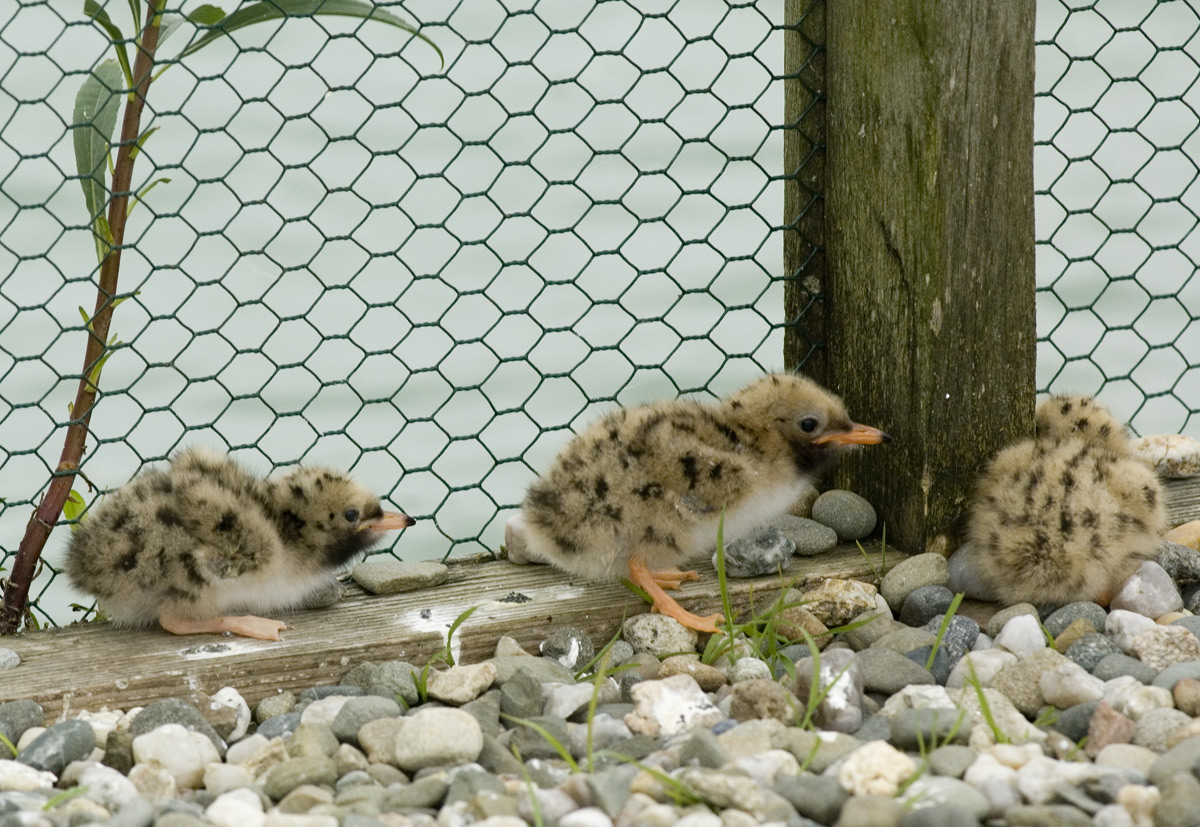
[(262, 628), (653, 583)]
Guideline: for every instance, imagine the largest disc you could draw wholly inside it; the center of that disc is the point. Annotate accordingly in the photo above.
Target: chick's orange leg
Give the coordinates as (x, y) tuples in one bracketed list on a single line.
[(671, 578), (663, 602), (262, 628)]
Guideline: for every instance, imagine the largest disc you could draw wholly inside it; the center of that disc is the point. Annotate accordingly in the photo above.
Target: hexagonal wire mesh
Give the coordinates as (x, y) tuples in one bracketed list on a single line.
[(1116, 206), (424, 274), (431, 275)]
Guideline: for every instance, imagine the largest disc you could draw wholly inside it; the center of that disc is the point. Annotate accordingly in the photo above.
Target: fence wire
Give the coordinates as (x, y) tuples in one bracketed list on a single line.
[(1116, 203), (425, 274), (430, 274)]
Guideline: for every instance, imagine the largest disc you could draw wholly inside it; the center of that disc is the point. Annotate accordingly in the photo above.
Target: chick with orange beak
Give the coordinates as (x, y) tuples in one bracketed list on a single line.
[(641, 492), (187, 545)]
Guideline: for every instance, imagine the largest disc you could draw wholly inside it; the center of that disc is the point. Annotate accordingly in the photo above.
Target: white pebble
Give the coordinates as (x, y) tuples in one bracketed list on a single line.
[(323, 711), (236, 808), (221, 778), (564, 700), (986, 664), (243, 749), (179, 751), (29, 736), (1150, 591), (107, 786), (278, 819), (595, 817), (768, 767), (748, 669), (1129, 697), (460, 684), (229, 697), (438, 736), (1113, 815), (103, 722), (16, 777), (153, 781), (997, 782), (1015, 755), (669, 706), (1123, 626), (1140, 802), (1022, 636), (1068, 684), (917, 697), (875, 768)]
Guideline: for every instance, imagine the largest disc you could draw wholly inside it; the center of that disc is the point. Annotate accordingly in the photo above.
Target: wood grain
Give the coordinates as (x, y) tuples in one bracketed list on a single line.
[(95, 665)]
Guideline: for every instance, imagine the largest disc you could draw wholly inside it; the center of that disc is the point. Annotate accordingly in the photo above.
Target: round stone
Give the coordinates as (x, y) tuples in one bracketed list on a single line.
[(851, 516), (59, 745), (358, 711), (966, 574), (659, 635), (1150, 592), (809, 536), (1059, 620), (765, 552), (919, 570), (888, 671), (1089, 650), (924, 604)]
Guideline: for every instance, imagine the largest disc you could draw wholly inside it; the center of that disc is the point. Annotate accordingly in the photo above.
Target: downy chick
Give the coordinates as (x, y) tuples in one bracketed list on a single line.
[(1069, 514), (186, 545), (640, 492)]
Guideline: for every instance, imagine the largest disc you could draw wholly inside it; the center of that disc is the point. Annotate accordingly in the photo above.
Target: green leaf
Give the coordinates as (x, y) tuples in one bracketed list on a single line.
[(277, 9), (206, 15), (93, 10), (96, 107), (168, 24), (73, 507), (137, 199)]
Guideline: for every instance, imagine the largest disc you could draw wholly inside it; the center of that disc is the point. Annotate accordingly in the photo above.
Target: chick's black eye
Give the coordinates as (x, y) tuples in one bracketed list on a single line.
[(809, 424), (351, 515)]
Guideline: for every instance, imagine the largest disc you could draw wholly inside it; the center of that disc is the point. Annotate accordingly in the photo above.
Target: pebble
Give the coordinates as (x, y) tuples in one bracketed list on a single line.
[(764, 552), (9, 659), (908, 575), (1022, 636), (851, 516), (570, 646), (1057, 622), (875, 768), (180, 752), (385, 575), (925, 604), (965, 576), (459, 684), (958, 638), (1181, 562), (1090, 649), (837, 690), (808, 536), (58, 746), (437, 736), (1187, 534), (1149, 591), (1001, 618), (669, 706), (658, 635), (887, 671), (836, 602)]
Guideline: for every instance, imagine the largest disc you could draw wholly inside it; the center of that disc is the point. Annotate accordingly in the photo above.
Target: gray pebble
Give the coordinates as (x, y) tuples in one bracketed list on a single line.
[(1155, 725), (1192, 624), (1183, 757), (1115, 665), (1181, 562), (521, 696), (874, 728), (279, 726), (610, 788), (1046, 815), (951, 760), (470, 782), (1180, 801), (66, 741), (358, 711), (888, 671), (179, 820), (1074, 720), (840, 709), (273, 705), (495, 758), (658, 634), (819, 797), (316, 693), (118, 751), (282, 778), (570, 646), (532, 744), (920, 729), (997, 621), (9, 659), (420, 794), (1191, 598), (384, 575), (387, 680), (1176, 672), (919, 570), (924, 604), (1090, 649), (966, 575), (764, 552), (869, 627), (809, 536), (851, 516), (940, 815), (1150, 592), (175, 711), (959, 637), (486, 710), (940, 666), (870, 811), (1059, 620), (702, 749), (905, 639), (18, 716), (541, 669)]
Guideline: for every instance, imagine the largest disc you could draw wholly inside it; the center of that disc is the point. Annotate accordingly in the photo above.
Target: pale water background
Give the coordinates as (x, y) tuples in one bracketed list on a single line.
[(431, 275)]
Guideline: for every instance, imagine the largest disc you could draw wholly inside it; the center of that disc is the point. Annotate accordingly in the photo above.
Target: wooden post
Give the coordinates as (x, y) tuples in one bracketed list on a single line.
[(928, 229)]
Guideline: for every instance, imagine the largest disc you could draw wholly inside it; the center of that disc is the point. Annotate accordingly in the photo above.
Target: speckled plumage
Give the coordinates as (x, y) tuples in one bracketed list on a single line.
[(646, 486), (1069, 514), (187, 544)]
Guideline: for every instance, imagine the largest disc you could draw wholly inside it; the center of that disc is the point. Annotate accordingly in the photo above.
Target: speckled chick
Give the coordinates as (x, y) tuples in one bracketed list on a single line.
[(1069, 514), (640, 492), (187, 545)]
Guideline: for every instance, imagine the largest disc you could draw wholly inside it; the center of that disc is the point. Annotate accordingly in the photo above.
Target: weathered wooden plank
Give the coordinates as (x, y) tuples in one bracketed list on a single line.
[(1182, 500), (929, 247), (95, 665)]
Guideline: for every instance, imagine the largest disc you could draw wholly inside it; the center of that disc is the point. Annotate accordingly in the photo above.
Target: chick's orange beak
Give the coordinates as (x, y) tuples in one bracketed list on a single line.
[(857, 435), (390, 521)]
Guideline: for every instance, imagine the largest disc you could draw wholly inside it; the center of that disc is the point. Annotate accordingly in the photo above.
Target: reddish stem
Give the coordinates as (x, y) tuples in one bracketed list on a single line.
[(37, 531)]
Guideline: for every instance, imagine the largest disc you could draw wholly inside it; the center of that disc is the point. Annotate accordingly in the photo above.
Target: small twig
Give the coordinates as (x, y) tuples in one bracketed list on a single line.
[(38, 529)]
